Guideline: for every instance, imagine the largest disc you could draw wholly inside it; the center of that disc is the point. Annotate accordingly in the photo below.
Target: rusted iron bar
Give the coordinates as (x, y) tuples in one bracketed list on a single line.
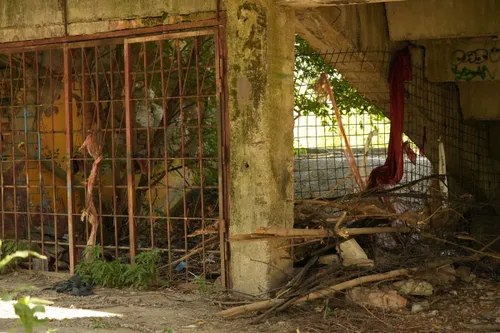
[(165, 152), (183, 161), (129, 122), (52, 160), (69, 153), (113, 146), (223, 150), (25, 145), (200, 147)]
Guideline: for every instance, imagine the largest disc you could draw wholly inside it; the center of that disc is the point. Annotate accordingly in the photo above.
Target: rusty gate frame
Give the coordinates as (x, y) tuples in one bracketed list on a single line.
[(217, 28)]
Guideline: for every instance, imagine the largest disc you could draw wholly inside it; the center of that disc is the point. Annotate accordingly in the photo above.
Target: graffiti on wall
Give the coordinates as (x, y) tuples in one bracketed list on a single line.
[(474, 64)]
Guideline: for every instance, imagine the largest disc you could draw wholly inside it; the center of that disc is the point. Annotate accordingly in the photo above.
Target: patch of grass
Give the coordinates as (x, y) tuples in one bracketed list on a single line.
[(97, 323), (205, 287), (114, 274)]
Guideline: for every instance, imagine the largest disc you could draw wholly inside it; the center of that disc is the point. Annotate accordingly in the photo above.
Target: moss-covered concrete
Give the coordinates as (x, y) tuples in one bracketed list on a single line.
[(37, 19), (95, 10), (260, 39), (22, 13)]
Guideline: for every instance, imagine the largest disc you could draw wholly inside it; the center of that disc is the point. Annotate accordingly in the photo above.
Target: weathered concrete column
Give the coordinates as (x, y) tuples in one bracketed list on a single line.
[(260, 37)]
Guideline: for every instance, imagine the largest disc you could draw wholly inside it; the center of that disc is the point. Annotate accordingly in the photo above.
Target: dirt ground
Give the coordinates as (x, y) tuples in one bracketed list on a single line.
[(460, 307)]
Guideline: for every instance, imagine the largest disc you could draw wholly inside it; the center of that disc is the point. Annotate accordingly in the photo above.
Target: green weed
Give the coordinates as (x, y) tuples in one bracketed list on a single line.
[(9, 248), (97, 323), (26, 307), (205, 287), (114, 274)]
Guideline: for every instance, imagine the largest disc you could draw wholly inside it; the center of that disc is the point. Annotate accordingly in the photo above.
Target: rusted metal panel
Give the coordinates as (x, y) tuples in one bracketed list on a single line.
[(155, 108)]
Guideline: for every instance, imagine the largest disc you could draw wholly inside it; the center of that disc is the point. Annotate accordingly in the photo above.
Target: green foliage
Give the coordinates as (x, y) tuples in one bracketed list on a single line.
[(27, 313), (23, 308), (97, 323), (308, 67), (114, 274), (299, 151), (13, 254), (205, 287)]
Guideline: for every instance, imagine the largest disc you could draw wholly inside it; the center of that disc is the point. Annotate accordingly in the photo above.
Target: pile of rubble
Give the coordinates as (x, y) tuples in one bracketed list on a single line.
[(366, 250)]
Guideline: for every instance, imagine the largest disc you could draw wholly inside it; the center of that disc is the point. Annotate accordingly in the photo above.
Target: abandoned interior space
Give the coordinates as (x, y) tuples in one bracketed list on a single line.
[(279, 165)]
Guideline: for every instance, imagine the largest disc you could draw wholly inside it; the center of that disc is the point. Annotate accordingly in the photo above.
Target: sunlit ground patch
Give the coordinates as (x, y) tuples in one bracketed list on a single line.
[(54, 312)]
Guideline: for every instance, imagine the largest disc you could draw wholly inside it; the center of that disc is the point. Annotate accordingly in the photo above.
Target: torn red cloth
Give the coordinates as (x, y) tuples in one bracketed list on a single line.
[(424, 141), (392, 171), (412, 156)]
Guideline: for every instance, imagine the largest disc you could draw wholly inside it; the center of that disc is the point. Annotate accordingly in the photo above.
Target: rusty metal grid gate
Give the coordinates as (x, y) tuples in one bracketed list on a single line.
[(117, 143)]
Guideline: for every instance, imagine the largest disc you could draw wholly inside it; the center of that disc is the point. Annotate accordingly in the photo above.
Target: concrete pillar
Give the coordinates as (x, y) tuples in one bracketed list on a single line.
[(260, 38)]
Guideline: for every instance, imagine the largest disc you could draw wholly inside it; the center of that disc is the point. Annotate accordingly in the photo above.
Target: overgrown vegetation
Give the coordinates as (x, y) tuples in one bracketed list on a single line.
[(26, 307), (115, 274), (205, 287), (8, 249), (308, 66)]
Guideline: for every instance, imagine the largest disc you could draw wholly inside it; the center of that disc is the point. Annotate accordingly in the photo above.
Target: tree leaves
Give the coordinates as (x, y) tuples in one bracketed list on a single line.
[(308, 66)]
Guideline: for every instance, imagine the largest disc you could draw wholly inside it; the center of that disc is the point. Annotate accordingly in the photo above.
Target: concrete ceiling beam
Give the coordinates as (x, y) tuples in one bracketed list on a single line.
[(341, 33), (438, 19), (320, 3)]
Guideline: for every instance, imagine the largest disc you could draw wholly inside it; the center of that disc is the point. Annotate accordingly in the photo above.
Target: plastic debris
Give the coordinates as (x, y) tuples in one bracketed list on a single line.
[(180, 266)]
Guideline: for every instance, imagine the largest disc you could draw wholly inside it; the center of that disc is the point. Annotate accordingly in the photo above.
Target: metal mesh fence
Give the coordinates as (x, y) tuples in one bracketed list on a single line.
[(432, 113)]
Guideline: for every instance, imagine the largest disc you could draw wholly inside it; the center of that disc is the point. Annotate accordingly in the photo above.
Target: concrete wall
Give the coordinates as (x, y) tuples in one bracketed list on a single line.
[(480, 100), (433, 19), (36, 19), (450, 61), (260, 66), (475, 67)]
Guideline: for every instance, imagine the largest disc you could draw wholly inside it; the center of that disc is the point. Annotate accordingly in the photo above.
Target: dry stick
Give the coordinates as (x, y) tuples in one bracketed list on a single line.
[(264, 305), (197, 249), (257, 237), (283, 233), (272, 266), (491, 255), (340, 221), (340, 183), (324, 249), (487, 246), (300, 244), (324, 86), (377, 192), (296, 280), (294, 232)]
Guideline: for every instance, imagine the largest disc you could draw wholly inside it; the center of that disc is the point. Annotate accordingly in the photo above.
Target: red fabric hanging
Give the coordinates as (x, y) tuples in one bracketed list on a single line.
[(392, 171), (412, 156), (424, 141)]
